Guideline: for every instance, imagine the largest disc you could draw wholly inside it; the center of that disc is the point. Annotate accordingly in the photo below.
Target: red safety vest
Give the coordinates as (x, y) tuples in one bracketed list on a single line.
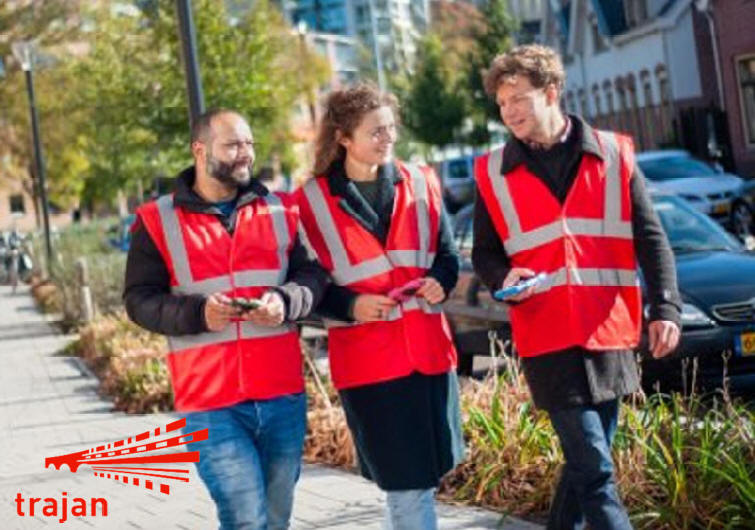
[(415, 336), (243, 361), (591, 297)]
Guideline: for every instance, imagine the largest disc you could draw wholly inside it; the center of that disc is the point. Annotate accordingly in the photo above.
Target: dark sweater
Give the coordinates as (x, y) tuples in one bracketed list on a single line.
[(576, 376)]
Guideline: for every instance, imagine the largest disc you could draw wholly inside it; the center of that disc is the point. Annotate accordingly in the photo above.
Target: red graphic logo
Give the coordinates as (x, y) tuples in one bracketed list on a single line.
[(123, 460)]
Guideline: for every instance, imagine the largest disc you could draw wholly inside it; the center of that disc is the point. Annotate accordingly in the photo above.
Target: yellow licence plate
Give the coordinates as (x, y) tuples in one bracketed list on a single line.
[(747, 344)]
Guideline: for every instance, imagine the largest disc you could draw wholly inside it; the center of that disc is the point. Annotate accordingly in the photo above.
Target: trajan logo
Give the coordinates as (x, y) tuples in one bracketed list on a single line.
[(135, 460)]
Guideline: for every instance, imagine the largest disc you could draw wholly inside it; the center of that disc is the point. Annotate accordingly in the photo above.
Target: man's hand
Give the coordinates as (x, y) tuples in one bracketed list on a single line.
[(218, 312), (372, 307), (515, 275), (663, 337), (270, 314), (431, 291)]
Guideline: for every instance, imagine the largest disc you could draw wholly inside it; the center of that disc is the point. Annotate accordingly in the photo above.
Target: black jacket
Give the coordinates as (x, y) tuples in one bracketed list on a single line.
[(576, 376), (147, 295), (339, 301)]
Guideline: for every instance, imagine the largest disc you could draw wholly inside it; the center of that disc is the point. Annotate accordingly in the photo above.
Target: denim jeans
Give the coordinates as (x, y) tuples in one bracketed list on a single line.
[(252, 459), (587, 490), (411, 510)]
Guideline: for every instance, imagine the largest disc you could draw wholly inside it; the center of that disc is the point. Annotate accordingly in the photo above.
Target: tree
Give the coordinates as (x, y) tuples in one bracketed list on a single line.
[(494, 38), (114, 113), (432, 108)]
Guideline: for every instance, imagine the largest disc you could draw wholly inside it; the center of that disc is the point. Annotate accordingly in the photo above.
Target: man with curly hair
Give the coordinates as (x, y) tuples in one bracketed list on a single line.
[(567, 202)]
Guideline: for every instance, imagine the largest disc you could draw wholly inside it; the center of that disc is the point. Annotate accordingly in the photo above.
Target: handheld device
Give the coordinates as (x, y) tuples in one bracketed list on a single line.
[(523, 285), (246, 304), (406, 291)]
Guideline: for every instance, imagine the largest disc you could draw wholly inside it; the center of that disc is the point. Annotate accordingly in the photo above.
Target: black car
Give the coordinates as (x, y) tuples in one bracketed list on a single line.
[(717, 282)]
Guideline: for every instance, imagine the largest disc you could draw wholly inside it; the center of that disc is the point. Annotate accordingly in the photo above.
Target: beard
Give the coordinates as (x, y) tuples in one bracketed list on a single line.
[(229, 173)]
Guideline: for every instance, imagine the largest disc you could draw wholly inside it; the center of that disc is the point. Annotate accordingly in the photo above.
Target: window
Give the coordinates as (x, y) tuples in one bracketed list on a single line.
[(582, 103), (17, 204), (746, 77), (598, 41), (636, 12), (570, 106), (609, 96), (596, 99)]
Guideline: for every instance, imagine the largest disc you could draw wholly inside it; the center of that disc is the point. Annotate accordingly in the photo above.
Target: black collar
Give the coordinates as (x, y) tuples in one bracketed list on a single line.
[(351, 201), (514, 153), (186, 197)]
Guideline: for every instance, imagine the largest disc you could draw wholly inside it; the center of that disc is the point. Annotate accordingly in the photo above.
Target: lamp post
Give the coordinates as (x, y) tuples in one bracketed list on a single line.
[(188, 37), (24, 52)]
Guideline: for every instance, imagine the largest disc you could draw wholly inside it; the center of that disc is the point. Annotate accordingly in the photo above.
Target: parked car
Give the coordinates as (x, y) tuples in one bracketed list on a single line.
[(457, 178), (725, 197), (716, 277)]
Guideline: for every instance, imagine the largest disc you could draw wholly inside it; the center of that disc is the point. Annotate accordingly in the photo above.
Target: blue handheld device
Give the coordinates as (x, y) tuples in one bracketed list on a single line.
[(508, 292)]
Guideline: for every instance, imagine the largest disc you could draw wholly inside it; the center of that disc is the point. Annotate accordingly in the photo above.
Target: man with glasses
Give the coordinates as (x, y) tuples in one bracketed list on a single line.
[(218, 267)]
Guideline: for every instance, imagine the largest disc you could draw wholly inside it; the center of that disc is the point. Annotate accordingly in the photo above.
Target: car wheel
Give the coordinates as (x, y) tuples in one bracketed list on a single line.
[(741, 220)]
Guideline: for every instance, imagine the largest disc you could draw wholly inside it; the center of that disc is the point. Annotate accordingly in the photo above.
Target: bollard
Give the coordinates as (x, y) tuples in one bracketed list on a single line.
[(87, 308)]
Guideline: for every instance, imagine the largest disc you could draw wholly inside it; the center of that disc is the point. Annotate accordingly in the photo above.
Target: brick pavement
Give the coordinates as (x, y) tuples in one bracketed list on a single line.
[(49, 406)]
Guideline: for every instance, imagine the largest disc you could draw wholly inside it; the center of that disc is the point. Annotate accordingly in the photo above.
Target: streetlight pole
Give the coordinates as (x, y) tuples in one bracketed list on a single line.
[(24, 53), (188, 37)]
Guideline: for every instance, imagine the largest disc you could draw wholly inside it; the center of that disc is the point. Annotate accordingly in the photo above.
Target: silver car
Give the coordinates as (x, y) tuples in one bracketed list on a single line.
[(723, 196)]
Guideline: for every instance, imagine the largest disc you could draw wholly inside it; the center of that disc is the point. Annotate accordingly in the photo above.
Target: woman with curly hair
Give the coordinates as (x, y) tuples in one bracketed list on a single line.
[(378, 226)]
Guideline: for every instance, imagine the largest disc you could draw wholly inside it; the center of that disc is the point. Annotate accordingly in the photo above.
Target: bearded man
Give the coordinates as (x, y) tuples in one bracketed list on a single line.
[(196, 259)]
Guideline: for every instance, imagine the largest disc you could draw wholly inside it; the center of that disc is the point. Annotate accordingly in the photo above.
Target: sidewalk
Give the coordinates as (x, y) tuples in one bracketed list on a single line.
[(49, 406)]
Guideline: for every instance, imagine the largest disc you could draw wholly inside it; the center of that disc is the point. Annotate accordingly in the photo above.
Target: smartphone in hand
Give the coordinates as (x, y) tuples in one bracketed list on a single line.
[(406, 291), (246, 304), (518, 288)]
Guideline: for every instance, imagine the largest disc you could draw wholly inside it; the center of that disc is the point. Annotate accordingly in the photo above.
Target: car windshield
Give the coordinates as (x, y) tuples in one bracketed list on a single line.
[(675, 167), (689, 230)]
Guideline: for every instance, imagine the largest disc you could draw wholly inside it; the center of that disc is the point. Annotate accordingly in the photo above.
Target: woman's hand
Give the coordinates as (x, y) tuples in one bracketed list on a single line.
[(372, 307), (431, 290)]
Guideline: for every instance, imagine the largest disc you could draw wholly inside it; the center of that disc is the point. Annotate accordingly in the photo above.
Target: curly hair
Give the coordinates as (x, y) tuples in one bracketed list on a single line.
[(343, 112), (540, 64)]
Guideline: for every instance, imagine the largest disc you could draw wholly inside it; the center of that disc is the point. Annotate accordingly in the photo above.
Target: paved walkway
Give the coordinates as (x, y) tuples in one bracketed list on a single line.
[(49, 406)]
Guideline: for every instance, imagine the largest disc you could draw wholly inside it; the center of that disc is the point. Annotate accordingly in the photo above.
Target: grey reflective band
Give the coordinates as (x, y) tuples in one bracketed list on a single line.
[(174, 239), (280, 227), (344, 273), (206, 287), (259, 278), (610, 225), (326, 224), (410, 258), (589, 277), (396, 313), (229, 334), (571, 226), (501, 191), (612, 204), (419, 184)]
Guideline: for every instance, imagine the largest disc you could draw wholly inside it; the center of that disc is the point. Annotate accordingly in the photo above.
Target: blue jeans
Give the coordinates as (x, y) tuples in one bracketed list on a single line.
[(411, 510), (587, 490), (252, 459)]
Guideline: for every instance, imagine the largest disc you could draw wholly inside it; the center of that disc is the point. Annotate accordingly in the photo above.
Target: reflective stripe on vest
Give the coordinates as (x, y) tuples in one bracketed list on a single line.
[(246, 278), (588, 277), (610, 226), (344, 272)]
